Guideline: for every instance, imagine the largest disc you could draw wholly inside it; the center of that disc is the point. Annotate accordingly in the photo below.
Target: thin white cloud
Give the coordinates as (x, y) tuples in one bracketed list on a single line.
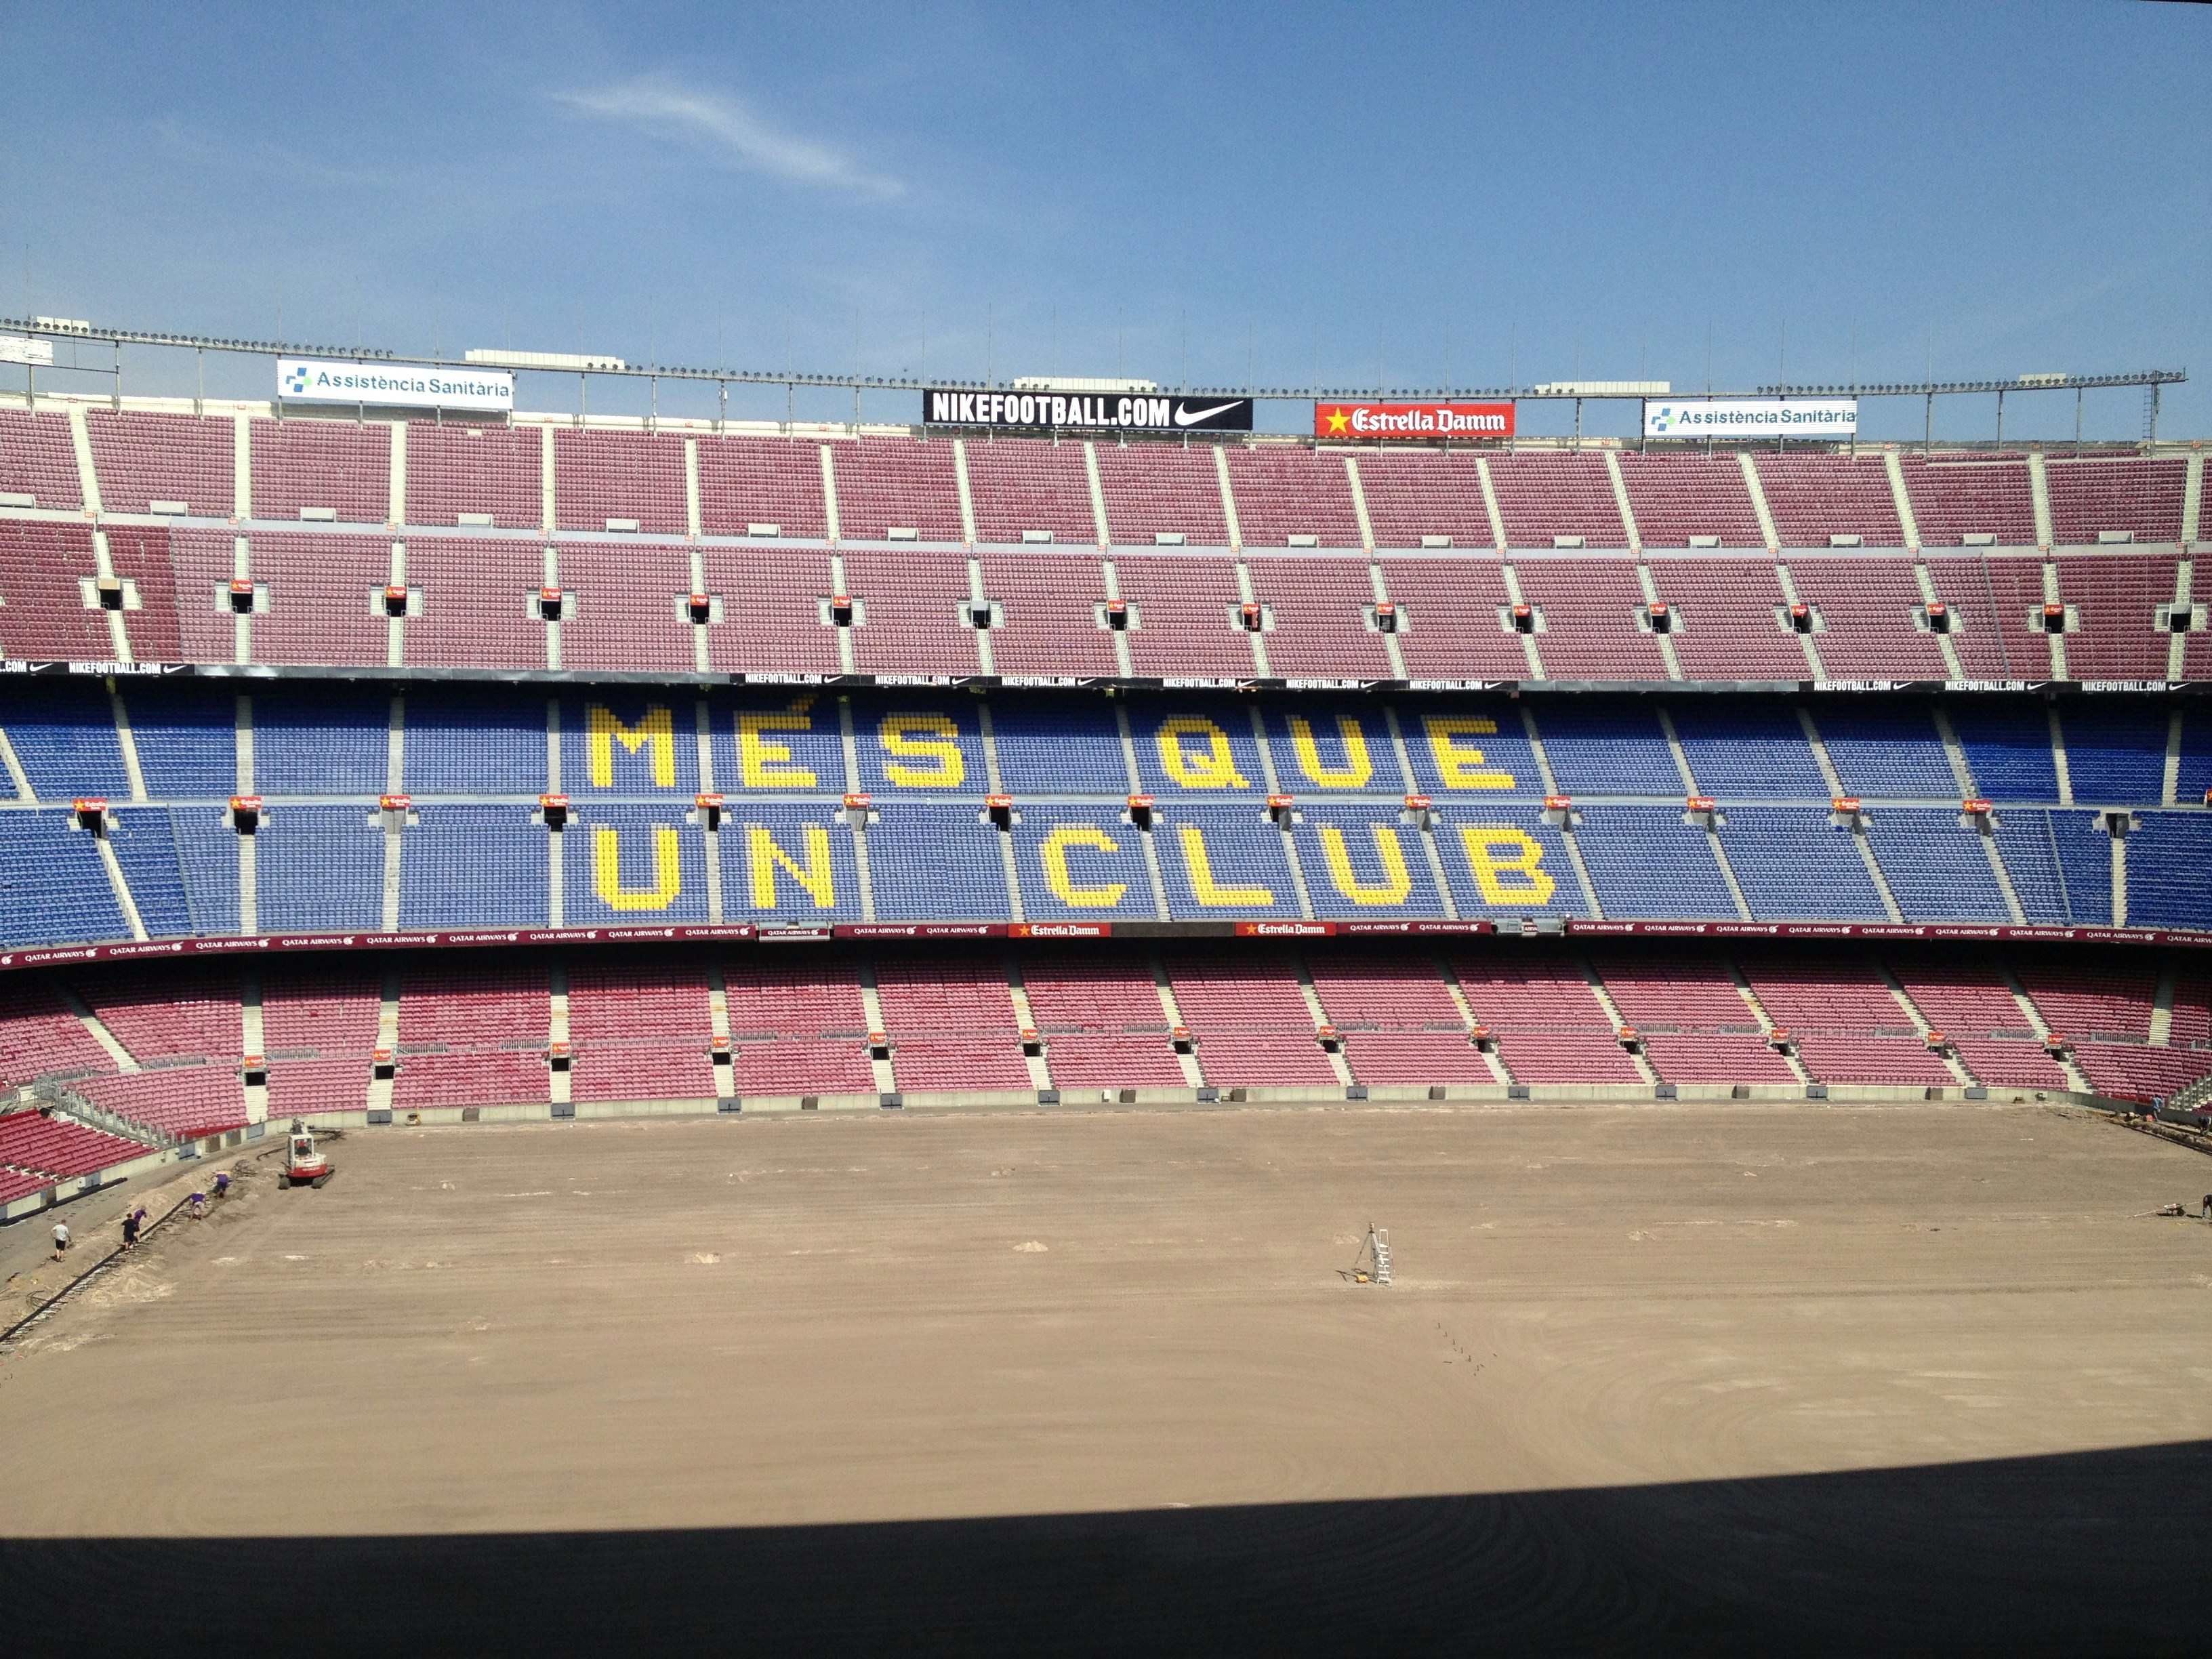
[(726, 128)]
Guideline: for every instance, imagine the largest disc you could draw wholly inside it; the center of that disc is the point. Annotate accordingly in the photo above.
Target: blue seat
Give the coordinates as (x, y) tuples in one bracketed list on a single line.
[(1937, 870), (319, 868), (1645, 861), (475, 760), (1471, 749), (1885, 751), (928, 744), (2194, 776), (1740, 749), (475, 743), (1500, 858), (1222, 862), (788, 863), (1324, 750), (1196, 747), (316, 740), (1058, 746), (1600, 746), (2167, 858), (620, 743), (1794, 865), (473, 866), (2115, 752), (628, 865), (186, 741), (1360, 863), (53, 888), (1082, 864), (64, 735), (2060, 864), (2008, 750), (933, 861), (181, 866), (767, 744)]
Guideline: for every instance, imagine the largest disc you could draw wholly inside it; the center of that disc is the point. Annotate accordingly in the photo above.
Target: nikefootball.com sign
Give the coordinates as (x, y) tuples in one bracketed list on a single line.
[(1413, 421), (1084, 411), (395, 385), (1751, 417)]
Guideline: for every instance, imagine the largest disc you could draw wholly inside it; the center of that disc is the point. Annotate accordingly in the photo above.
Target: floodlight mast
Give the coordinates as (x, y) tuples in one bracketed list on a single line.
[(1569, 390)]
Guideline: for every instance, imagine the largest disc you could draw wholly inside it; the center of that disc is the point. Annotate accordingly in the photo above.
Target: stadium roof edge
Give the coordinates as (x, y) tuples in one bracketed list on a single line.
[(842, 431), (1578, 391)]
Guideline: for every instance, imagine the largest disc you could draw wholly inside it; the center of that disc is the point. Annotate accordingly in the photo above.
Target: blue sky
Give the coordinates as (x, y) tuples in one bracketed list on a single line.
[(1293, 190)]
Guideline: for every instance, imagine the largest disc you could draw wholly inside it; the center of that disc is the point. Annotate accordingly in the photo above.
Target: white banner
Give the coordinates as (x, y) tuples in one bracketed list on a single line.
[(1751, 417), (1043, 410), (328, 381), (15, 349)]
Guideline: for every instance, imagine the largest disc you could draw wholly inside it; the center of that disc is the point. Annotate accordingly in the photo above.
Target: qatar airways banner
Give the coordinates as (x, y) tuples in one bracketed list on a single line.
[(1359, 421), (1086, 411), (394, 386), (1751, 417)]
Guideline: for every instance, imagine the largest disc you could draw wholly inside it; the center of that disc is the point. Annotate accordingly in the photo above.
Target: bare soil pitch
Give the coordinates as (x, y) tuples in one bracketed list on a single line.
[(1652, 1345)]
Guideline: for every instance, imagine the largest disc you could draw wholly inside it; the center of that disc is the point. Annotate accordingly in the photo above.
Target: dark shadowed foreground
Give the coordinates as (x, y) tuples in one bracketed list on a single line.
[(2066, 1554)]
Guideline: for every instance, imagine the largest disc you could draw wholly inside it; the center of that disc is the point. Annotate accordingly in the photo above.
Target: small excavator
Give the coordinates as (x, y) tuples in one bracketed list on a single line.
[(303, 1164)]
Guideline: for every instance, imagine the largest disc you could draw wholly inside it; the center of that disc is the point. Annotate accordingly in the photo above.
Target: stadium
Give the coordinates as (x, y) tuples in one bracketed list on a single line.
[(840, 737), (372, 770), (650, 1007)]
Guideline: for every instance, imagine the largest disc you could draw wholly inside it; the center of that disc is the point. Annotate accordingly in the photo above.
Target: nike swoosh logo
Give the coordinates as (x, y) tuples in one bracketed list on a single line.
[(1192, 417)]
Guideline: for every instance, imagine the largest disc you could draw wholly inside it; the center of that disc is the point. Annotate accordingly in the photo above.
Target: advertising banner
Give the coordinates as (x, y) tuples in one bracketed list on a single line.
[(1134, 411), (727, 933), (15, 349), (1751, 417), (1363, 421), (394, 386)]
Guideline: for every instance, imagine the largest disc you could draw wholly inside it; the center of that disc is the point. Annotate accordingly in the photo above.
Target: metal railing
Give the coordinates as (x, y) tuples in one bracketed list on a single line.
[(48, 1095), (791, 377)]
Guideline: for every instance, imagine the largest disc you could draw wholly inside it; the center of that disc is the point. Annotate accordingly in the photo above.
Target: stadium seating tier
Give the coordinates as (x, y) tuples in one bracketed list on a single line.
[(458, 514)]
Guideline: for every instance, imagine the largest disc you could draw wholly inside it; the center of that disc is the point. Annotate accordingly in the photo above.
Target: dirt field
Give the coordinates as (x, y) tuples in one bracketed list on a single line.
[(1058, 1383)]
